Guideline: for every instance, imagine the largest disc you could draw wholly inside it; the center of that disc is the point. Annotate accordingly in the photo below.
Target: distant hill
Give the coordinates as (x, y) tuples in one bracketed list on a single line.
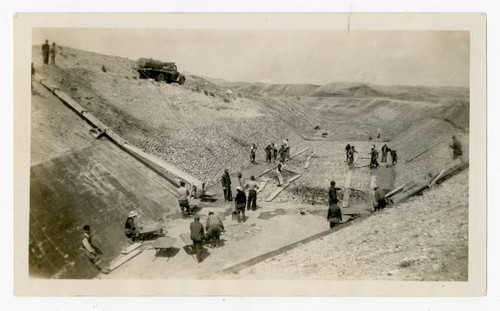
[(408, 93)]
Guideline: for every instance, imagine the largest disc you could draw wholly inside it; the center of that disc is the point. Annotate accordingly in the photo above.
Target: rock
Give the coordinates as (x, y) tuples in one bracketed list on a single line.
[(393, 272)]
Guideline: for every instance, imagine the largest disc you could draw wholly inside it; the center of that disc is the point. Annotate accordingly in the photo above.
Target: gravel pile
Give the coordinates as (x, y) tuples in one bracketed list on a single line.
[(241, 231)]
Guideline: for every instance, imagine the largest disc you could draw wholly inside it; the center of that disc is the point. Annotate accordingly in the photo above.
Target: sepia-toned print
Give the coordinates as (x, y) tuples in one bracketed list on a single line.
[(249, 155)]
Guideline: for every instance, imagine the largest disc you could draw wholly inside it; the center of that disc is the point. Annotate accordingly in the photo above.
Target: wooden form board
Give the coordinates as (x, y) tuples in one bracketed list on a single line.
[(421, 153), (167, 166), (123, 259), (347, 191), (131, 248), (262, 185), (116, 138), (292, 156), (275, 193), (308, 162)]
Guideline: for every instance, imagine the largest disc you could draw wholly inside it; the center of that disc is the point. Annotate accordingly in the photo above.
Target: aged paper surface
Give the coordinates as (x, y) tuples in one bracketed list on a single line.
[(26, 25)]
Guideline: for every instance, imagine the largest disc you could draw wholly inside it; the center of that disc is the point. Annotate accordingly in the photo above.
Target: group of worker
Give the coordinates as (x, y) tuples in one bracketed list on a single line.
[(47, 51), (213, 228), (241, 200), (273, 154), (374, 154)]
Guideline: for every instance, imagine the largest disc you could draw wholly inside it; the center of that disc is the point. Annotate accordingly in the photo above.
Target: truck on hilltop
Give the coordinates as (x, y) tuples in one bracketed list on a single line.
[(160, 71)]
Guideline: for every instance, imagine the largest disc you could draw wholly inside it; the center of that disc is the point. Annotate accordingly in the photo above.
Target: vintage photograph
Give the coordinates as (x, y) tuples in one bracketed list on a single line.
[(249, 154)]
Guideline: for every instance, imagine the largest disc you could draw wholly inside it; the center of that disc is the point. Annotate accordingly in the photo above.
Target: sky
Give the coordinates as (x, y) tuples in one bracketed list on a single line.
[(435, 58)]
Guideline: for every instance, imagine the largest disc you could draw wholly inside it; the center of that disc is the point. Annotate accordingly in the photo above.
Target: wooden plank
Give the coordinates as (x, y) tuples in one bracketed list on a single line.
[(262, 185), (421, 153), (433, 181), (395, 191), (131, 248), (275, 193), (167, 166), (299, 152), (347, 190), (123, 259), (308, 162), (274, 167), (255, 260)]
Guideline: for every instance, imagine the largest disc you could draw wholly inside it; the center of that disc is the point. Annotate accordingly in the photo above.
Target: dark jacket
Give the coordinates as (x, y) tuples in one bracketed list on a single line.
[(240, 197), (334, 212), (332, 195), (226, 180), (197, 231), (456, 146)]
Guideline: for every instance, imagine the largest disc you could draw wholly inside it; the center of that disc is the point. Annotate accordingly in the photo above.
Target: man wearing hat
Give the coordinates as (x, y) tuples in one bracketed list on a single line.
[(197, 236), (131, 230), (240, 201)]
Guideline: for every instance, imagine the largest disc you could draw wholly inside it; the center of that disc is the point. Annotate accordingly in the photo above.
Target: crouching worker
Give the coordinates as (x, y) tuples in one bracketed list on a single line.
[(240, 201), (197, 236), (131, 229), (214, 228), (90, 251), (334, 215)]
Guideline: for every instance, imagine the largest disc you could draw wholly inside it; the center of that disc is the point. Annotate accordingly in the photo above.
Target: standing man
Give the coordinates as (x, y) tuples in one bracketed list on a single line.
[(380, 201), (45, 52), (240, 179), (252, 186), (32, 75), (374, 157), (332, 193), (282, 153), (269, 151), (240, 201), (287, 148), (384, 153), (214, 227), (347, 148), (456, 148), (53, 54), (197, 236), (350, 158), (226, 186), (253, 150), (183, 194), (394, 156), (90, 251), (279, 174), (275, 152)]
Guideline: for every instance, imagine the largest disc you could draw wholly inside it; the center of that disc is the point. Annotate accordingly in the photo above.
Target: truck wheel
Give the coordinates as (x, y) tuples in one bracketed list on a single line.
[(160, 77), (182, 80)]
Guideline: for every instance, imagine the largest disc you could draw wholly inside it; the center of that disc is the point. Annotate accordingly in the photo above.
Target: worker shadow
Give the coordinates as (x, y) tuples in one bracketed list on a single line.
[(97, 250), (168, 252), (209, 243), (189, 249)]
